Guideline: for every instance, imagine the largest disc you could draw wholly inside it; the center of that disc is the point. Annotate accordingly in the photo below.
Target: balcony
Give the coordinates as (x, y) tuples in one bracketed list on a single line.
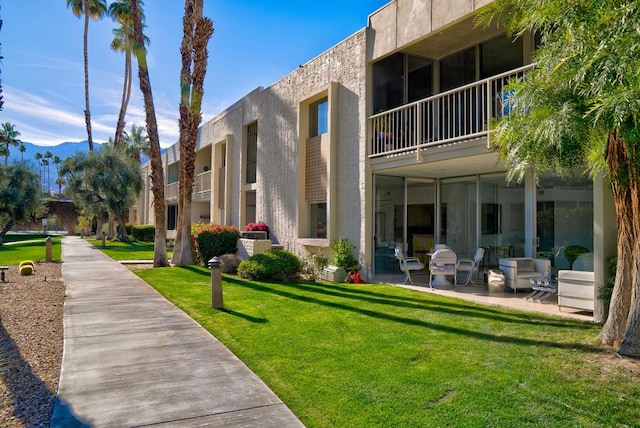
[(201, 188), (450, 117)]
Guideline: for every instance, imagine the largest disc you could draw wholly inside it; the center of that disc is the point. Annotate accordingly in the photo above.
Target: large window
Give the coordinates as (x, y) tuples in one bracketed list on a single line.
[(318, 118), (318, 219), (500, 55), (252, 152), (399, 79), (458, 69)]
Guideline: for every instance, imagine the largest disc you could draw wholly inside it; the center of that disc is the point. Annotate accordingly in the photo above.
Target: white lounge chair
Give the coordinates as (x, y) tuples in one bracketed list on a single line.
[(470, 266), (407, 264)]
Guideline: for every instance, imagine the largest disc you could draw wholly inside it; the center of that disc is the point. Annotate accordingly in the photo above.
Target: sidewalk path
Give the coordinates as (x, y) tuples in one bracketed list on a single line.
[(131, 358)]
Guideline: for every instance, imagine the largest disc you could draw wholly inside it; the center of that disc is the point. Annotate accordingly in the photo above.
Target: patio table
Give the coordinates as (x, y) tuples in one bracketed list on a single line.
[(543, 288)]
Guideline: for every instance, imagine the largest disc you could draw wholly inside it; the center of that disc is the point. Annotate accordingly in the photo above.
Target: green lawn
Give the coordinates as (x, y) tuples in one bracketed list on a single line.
[(13, 254), (133, 250), (375, 355)]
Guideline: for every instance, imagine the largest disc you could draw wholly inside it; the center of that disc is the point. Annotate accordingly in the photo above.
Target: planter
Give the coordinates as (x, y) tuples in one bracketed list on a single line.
[(333, 274), (249, 247), (254, 234)]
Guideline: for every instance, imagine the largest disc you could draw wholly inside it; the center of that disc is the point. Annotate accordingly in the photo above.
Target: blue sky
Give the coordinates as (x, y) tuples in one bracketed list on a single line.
[(255, 43)]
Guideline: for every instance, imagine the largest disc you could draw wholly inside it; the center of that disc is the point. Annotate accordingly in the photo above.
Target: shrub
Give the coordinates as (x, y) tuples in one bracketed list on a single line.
[(212, 240), (129, 228), (144, 232), (272, 265), (342, 255), (229, 263), (313, 264)]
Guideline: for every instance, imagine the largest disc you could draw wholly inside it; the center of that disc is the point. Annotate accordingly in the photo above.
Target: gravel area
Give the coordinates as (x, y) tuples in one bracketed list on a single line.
[(31, 329)]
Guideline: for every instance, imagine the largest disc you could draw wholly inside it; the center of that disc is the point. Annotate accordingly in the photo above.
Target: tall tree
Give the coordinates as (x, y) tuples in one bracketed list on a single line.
[(580, 107), (197, 31), (46, 159), (57, 162), (90, 9), (157, 174), (38, 157), (137, 143), (22, 149), (123, 41), (8, 137), (105, 180)]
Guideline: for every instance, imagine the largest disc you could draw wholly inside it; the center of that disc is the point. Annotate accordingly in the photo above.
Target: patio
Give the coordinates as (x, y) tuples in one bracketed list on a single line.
[(480, 294)]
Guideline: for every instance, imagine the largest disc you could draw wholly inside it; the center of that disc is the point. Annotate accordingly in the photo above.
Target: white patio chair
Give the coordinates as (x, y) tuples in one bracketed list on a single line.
[(407, 264), (470, 266), (442, 264)]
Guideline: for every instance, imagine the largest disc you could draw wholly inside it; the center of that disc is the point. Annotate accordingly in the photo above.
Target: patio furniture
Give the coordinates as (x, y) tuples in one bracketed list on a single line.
[(518, 271), (470, 266), (443, 263), (407, 264), (576, 288)]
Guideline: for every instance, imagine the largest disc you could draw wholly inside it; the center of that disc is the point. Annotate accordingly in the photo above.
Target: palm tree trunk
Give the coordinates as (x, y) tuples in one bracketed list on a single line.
[(126, 92), (197, 32), (87, 112), (157, 174), (621, 327)]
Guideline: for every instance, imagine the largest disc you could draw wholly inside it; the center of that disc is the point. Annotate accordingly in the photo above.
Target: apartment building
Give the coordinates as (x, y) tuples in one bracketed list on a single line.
[(384, 139)]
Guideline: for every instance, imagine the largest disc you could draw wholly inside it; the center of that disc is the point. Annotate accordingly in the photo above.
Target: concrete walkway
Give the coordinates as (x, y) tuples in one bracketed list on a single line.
[(131, 358)]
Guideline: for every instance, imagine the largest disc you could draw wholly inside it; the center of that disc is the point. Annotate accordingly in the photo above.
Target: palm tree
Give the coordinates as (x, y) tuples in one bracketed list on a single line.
[(197, 32), (94, 9), (137, 143), (123, 41), (46, 161), (8, 138), (57, 161), (22, 150), (38, 157), (157, 174)]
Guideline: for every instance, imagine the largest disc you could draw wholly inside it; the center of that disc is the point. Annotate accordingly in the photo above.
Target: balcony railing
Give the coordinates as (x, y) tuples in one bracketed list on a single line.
[(201, 187), (459, 114)]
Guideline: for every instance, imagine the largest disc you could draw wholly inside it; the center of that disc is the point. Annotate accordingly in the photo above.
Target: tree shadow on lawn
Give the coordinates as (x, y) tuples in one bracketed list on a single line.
[(422, 323), (461, 309)]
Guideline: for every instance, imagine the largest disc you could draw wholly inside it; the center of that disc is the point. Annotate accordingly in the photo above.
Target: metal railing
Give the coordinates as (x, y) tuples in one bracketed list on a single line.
[(201, 187), (459, 114)]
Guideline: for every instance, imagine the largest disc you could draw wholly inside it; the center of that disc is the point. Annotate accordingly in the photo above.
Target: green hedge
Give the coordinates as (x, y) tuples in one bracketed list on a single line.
[(272, 265), (211, 240), (144, 232)]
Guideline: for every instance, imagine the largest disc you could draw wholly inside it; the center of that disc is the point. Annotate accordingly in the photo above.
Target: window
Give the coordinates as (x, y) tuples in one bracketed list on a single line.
[(318, 119), (172, 215), (252, 152), (458, 69), (500, 55), (318, 220), (172, 173)]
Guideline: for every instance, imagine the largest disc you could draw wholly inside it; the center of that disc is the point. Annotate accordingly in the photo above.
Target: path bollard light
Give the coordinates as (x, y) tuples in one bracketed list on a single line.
[(49, 249), (103, 238), (216, 283)]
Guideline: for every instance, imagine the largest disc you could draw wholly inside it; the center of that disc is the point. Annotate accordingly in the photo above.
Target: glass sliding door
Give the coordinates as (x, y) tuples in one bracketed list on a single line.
[(389, 207), (458, 215), (501, 218), (564, 219), (421, 217)]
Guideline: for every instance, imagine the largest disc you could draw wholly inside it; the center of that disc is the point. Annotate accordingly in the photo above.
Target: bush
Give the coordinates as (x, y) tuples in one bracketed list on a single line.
[(143, 232), (342, 255), (129, 228), (272, 265), (229, 263), (313, 264), (213, 240)]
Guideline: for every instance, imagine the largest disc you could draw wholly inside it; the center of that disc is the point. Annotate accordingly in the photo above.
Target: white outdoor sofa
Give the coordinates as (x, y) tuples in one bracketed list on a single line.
[(518, 271), (576, 288)]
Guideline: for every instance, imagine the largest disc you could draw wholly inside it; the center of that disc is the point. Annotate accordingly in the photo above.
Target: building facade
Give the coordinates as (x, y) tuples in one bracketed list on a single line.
[(384, 139)]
